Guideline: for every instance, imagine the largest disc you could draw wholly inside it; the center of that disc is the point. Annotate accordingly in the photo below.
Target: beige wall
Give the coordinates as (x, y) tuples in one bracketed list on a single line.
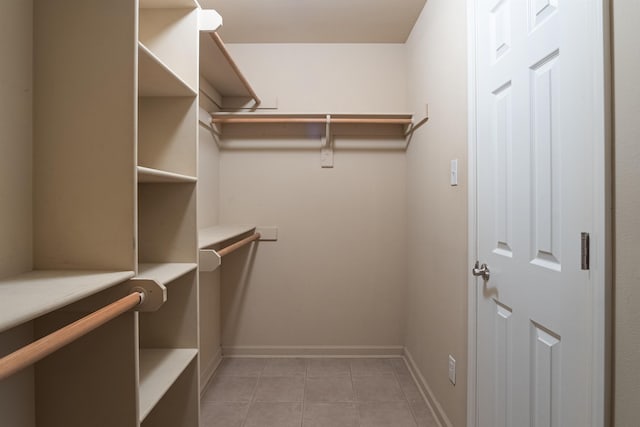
[(336, 276), (16, 90), (437, 212), (627, 213)]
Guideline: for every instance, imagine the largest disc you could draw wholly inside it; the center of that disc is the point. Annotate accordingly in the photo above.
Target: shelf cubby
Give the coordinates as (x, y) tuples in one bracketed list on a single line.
[(167, 223), (167, 129), (159, 369), (171, 35), (158, 79), (165, 272)]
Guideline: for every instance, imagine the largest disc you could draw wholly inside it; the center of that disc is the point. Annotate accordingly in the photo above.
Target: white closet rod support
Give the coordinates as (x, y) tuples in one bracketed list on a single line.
[(37, 350)]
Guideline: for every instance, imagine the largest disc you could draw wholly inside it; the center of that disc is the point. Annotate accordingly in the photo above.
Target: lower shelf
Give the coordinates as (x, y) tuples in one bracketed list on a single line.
[(159, 369), (33, 294)]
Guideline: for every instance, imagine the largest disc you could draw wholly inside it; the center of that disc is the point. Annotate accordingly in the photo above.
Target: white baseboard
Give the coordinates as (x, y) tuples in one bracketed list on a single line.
[(207, 371), (430, 398), (310, 351)]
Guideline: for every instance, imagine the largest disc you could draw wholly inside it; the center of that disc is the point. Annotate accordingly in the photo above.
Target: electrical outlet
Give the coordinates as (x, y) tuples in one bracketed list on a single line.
[(452, 370)]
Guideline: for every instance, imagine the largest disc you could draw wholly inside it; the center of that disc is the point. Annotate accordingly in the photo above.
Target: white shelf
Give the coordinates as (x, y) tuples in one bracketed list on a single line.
[(402, 119), (33, 294), (148, 175), (168, 4), (159, 369), (220, 70), (155, 78), (165, 272), (213, 235)]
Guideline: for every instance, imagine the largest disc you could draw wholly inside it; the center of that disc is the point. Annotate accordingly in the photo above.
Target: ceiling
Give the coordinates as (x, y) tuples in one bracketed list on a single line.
[(316, 21)]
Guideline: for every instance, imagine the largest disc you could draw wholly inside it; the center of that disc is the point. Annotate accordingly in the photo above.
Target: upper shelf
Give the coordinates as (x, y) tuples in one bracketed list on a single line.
[(156, 78), (217, 234), (168, 4), (322, 118), (155, 176), (218, 68), (33, 294)]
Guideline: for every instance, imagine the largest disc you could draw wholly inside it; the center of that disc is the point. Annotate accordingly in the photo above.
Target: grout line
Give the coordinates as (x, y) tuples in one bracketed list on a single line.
[(406, 398), (304, 392), (251, 400)]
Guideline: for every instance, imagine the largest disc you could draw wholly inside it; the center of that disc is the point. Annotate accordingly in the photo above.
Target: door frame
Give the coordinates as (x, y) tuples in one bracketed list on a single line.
[(601, 239)]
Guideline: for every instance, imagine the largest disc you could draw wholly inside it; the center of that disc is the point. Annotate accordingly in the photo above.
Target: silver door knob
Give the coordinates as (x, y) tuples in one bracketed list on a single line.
[(481, 270)]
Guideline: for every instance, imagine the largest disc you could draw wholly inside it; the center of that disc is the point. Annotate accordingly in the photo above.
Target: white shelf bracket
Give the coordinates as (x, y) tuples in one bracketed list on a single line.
[(154, 296), (414, 126), (209, 20), (209, 260), (326, 150)]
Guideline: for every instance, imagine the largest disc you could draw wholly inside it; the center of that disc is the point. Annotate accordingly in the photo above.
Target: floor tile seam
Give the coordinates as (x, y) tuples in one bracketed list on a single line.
[(304, 394), (251, 401), (409, 403)]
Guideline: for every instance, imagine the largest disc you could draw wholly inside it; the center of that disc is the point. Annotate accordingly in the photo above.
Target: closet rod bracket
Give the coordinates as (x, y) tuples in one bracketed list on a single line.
[(154, 294), (326, 149), (209, 260)]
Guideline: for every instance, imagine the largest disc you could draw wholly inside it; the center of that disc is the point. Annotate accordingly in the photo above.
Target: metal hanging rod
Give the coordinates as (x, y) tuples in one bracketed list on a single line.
[(37, 350), (228, 249)]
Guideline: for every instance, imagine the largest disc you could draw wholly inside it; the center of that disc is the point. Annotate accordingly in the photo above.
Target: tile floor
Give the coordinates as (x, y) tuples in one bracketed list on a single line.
[(314, 392)]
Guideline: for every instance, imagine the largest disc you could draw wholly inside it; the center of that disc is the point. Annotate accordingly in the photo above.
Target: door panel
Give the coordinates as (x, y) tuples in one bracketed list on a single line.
[(536, 101)]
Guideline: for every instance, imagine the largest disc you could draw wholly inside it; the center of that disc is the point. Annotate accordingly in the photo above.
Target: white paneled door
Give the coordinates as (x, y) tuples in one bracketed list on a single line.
[(539, 185)]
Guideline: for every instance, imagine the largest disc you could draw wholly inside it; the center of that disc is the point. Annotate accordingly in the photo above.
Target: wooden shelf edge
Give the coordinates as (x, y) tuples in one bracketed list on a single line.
[(36, 293), (150, 176), (217, 234), (159, 369)]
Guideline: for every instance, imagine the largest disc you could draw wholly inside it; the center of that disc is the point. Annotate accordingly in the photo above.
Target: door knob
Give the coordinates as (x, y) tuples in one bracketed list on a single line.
[(481, 270)]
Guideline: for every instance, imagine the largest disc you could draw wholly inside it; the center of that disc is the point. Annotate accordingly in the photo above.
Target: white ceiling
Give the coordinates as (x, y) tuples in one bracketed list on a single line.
[(316, 21)]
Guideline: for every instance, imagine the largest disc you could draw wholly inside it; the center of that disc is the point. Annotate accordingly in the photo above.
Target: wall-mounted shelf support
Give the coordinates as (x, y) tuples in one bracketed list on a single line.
[(415, 126), (211, 259), (326, 152)]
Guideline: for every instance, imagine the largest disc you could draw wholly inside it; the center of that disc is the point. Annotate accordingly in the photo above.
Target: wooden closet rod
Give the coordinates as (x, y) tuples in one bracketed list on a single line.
[(216, 38), (37, 350), (237, 245), (244, 120)]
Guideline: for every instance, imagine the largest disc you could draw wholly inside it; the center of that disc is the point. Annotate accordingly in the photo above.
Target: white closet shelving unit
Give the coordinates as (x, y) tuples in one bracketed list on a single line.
[(115, 111), (167, 235)]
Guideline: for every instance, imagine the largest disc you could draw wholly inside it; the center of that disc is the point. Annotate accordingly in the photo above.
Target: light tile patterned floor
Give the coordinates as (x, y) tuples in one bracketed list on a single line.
[(314, 392)]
